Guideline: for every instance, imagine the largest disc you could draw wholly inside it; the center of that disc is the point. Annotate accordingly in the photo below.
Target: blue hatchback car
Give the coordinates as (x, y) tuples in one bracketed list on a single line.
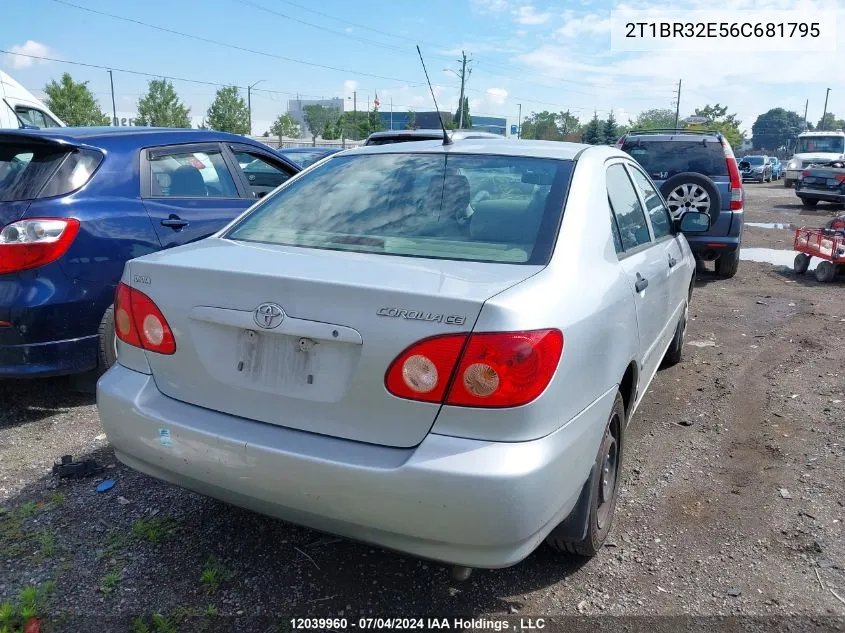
[(77, 203)]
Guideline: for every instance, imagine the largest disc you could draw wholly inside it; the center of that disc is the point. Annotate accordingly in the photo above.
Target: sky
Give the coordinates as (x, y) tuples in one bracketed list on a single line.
[(543, 55)]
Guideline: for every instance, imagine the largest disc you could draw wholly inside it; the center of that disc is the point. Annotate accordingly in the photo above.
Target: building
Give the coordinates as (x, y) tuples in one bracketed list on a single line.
[(429, 120), (296, 109)]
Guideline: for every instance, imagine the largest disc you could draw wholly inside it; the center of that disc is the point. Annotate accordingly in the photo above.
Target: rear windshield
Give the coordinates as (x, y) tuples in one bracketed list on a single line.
[(478, 208), (29, 171), (664, 159)]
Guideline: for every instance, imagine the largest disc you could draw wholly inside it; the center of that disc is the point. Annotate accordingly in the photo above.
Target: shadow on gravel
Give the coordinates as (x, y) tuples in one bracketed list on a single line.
[(25, 401), (158, 541)]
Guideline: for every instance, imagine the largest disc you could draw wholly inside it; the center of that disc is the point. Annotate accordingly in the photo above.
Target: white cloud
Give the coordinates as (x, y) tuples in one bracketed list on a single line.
[(528, 15), (590, 24), (497, 96), (490, 6), (350, 86), (521, 33), (31, 47)]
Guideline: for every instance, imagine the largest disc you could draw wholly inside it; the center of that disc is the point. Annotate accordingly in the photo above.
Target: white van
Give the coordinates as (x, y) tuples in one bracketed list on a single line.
[(19, 108)]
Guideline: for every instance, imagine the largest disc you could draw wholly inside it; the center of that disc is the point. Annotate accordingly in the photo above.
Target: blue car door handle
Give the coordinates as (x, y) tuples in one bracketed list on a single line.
[(174, 222), (641, 283)]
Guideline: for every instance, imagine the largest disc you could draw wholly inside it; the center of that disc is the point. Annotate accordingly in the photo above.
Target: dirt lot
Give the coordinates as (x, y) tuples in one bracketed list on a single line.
[(733, 495)]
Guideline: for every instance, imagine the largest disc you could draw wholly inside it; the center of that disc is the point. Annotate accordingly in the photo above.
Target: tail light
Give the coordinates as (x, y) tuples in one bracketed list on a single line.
[(805, 174), (139, 322), (736, 180), (839, 177), (35, 242), (488, 369)]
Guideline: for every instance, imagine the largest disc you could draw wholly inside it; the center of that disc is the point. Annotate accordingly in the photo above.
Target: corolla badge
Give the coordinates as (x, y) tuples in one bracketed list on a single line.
[(268, 315)]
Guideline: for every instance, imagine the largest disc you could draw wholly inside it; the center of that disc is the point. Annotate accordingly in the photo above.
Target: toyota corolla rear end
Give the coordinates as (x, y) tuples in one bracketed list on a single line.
[(334, 358)]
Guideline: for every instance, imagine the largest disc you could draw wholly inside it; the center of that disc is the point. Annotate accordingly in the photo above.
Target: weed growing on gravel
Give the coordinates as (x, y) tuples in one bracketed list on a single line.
[(211, 611), (212, 576), (158, 624), (109, 582), (56, 499), (153, 529), (115, 542), (27, 509), (30, 604), (46, 544)]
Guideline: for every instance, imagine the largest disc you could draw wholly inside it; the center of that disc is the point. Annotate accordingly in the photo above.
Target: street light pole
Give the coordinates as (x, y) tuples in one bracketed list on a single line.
[(824, 114), (113, 106), (249, 102), (519, 123)]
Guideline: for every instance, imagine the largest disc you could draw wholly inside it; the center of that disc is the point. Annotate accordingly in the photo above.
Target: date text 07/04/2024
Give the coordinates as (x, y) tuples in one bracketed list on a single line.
[(419, 624)]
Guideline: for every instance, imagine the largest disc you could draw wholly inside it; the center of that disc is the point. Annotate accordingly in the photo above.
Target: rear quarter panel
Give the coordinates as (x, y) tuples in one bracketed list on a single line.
[(584, 293)]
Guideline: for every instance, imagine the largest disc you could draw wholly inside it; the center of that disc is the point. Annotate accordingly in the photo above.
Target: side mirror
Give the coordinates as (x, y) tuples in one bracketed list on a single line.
[(693, 222)]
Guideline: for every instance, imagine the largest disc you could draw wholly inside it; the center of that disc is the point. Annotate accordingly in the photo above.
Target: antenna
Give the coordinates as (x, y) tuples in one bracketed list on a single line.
[(446, 139)]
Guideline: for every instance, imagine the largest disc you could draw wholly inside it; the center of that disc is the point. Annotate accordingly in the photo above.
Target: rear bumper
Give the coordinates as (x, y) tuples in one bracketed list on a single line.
[(460, 501), (727, 237), (824, 196), (56, 358)]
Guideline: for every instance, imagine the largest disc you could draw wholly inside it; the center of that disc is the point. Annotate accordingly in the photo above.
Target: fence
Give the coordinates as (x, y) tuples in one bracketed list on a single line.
[(288, 143)]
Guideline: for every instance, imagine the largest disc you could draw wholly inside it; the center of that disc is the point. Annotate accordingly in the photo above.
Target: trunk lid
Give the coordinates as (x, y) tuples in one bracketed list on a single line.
[(346, 317)]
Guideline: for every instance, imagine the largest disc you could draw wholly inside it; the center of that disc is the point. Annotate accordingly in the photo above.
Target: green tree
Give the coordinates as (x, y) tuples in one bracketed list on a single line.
[(228, 112), (774, 129), (161, 106), (592, 131), (332, 131), (541, 126), (467, 122), (568, 123), (285, 125), (374, 122), (317, 117), (828, 122), (718, 119), (412, 120), (653, 119), (73, 102), (609, 130)]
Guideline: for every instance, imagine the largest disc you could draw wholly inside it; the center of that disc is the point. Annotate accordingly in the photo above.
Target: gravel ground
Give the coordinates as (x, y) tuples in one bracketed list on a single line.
[(732, 501)]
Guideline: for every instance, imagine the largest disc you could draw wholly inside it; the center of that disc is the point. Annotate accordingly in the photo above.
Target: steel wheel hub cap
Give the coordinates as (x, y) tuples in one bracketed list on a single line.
[(688, 197), (609, 472)]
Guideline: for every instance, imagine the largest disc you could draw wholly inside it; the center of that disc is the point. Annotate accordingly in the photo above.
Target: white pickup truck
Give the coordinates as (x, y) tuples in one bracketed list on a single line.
[(814, 147)]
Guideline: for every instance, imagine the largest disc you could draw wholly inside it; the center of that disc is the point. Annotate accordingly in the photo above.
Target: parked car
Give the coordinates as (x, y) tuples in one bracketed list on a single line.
[(77, 203), (777, 167), (19, 108), (380, 370), (307, 156), (755, 168), (696, 170), (388, 137), (822, 182)]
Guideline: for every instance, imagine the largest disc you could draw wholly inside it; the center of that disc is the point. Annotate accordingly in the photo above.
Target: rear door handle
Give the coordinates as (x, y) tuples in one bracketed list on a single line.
[(641, 284), (174, 222), (672, 261)]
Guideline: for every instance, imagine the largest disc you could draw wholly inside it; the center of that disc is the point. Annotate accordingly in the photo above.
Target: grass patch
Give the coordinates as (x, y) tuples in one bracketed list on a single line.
[(110, 582), (56, 499), (210, 611), (46, 544), (212, 576), (154, 529), (154, 624), (114, 544), (30, 604)]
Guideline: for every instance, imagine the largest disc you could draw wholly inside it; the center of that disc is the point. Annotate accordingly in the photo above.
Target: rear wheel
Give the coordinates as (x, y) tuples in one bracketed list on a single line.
[(801, 263), (825, 271), (107, 342), (788, 183), (809, 203), (603, 490), (676, 348), (728, 264)]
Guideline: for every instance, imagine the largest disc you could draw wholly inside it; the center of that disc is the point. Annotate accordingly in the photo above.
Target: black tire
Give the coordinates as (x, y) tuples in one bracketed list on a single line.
[(676, 347), (603, 493), (107, 351), (727, 264), (801, 263), (825, 271), (788, 183), (809, 203), (690, 178)]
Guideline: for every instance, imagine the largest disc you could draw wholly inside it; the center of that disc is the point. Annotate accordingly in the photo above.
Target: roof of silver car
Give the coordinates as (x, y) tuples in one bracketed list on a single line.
[(502, 147)]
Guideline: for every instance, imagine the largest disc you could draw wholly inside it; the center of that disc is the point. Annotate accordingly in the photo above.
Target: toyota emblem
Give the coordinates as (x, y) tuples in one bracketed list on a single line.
[(268, 315)]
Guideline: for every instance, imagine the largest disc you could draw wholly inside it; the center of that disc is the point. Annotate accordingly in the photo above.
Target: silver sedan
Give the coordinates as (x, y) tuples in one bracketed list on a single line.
[(378, 351)]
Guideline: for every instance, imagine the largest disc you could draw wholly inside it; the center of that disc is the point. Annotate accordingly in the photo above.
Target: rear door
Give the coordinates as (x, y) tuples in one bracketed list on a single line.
[(260, 171), (677, 268), (643, 262), (190, 191)]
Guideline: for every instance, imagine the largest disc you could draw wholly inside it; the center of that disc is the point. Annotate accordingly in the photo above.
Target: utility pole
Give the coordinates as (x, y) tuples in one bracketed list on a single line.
[(391, 113), (249, 102), (678, 105), (824, 114), (806, 105), (519, 122), (355, 112), (113, 106)]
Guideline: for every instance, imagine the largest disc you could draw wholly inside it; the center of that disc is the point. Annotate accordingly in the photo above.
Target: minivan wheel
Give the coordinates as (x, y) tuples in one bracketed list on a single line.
[(107, 342), (604, 486), (676, 348)]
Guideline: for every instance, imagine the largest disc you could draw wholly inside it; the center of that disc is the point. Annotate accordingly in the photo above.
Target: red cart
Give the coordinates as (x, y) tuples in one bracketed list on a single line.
[(826, 244)]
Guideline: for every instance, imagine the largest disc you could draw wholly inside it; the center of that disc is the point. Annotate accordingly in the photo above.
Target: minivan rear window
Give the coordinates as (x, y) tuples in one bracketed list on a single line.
[(664, 159), (38, 170), (465, 207)]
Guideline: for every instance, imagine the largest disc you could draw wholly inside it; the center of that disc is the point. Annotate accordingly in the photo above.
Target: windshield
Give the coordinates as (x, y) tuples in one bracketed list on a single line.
[(478, 208), (753, 160), (821, 144)]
